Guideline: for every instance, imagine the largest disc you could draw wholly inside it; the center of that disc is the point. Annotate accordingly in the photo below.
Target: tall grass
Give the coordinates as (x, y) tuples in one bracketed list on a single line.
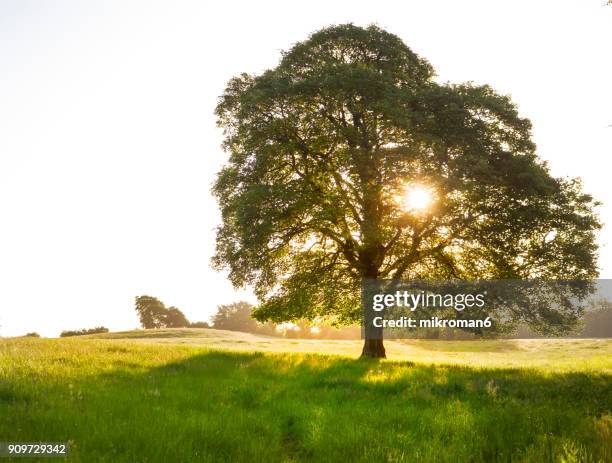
[(129, 402)]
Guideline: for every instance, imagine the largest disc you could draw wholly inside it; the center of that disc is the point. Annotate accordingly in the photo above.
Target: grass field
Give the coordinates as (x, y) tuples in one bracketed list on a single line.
[(168, 396)]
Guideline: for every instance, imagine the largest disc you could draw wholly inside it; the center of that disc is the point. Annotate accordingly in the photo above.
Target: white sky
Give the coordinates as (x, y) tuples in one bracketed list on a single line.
[(108, 145)]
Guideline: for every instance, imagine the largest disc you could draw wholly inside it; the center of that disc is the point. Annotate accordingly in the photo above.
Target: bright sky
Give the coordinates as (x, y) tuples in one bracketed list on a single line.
[(108, 144)]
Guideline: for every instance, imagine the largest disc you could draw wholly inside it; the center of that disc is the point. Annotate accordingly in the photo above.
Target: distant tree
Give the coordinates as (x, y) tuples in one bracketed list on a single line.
[(199, 325), (174, 318), (33, 334), (267, 328), (151, 311), (235, 317), (154, 314), (83, 332), (597, 321), (301, 329)]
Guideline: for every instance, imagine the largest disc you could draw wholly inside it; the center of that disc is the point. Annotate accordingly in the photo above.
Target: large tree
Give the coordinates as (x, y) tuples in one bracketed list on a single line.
[(322, 152)]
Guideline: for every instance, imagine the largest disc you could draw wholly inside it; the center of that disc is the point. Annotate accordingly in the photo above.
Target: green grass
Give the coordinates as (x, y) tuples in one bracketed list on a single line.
[(142, 400)]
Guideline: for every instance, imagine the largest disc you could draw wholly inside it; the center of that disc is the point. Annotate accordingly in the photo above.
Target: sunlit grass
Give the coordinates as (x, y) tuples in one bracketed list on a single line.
[(133, 402), (548, 354)]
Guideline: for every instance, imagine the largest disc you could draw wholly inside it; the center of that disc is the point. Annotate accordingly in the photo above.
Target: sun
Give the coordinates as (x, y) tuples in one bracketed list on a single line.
[(417, 198)]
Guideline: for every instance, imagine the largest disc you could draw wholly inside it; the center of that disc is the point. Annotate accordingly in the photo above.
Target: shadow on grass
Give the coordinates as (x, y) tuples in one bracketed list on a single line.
[(231, 406)]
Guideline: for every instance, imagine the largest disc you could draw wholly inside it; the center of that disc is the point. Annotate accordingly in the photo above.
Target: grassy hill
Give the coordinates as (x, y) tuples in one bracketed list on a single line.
[(166, 396), (549, 354)]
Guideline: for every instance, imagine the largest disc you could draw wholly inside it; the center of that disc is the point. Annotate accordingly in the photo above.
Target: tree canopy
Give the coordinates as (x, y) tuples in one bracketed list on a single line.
[(322, 149), (235, 317), (175, 318), (154, 314)]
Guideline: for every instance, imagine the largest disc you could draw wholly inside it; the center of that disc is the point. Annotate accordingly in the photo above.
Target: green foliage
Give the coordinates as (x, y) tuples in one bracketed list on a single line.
[(126, 402), (235, 317), (151, 311), (154, 314), (321, 146), (83, 332), (238, 316), (175, 319), (33, 334)]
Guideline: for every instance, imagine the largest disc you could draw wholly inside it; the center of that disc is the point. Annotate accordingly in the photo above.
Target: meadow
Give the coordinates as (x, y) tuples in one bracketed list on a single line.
[(175, 396)]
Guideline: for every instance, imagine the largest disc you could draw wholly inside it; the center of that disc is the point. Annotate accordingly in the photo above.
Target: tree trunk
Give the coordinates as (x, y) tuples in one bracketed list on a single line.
[(373, 348), (372, 251)]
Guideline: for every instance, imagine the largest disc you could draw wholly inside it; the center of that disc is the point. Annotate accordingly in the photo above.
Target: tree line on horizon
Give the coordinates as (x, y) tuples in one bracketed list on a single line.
[(237, 316), (85, 331)]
